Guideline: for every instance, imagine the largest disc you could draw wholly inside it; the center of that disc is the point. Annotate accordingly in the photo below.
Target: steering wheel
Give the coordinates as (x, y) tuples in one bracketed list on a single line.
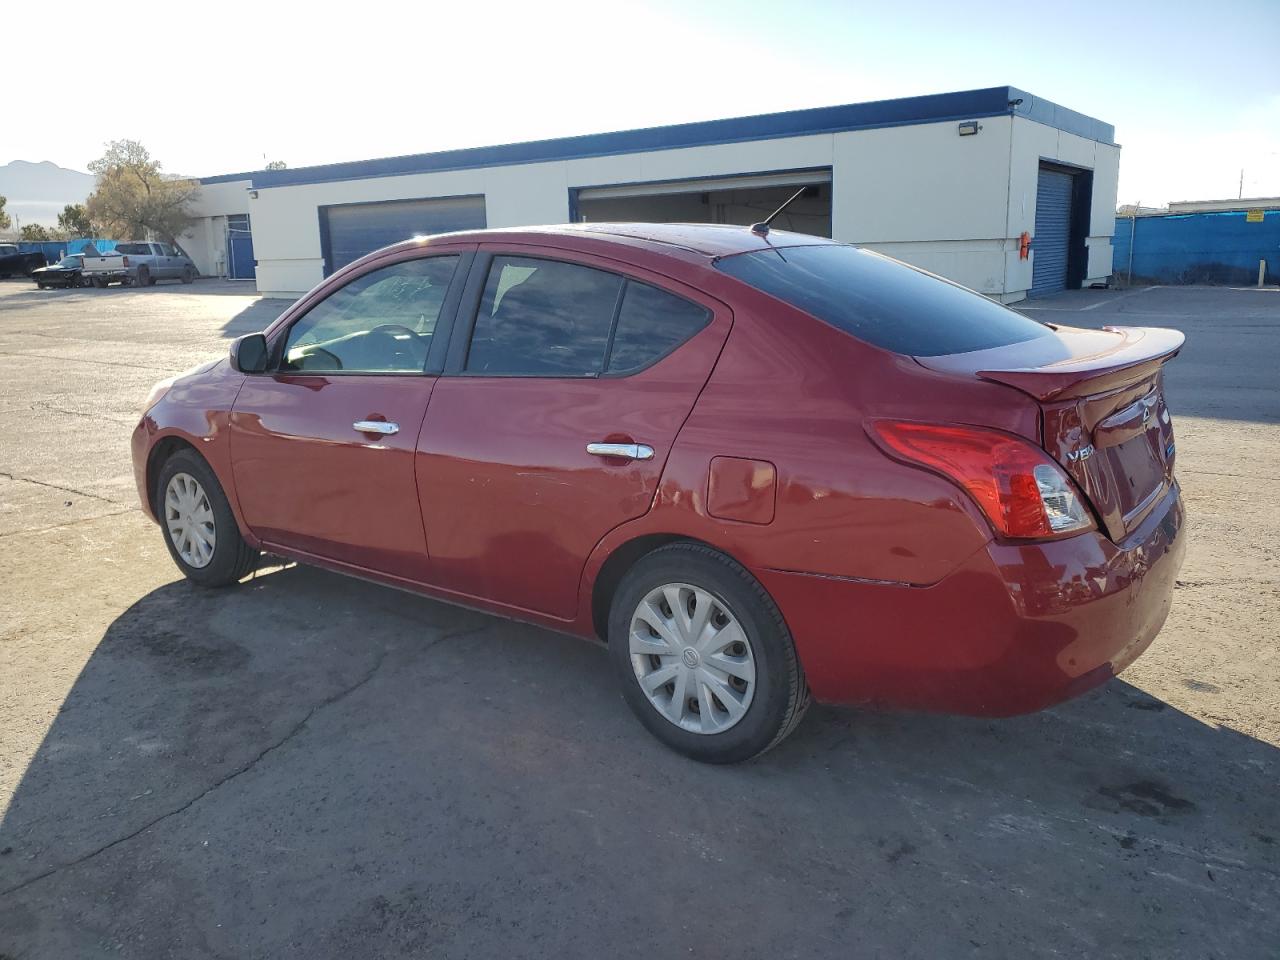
[(314, 359), (391, 330)]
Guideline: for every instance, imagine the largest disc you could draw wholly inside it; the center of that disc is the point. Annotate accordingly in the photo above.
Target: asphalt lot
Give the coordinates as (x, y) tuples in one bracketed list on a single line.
[(310, 766)]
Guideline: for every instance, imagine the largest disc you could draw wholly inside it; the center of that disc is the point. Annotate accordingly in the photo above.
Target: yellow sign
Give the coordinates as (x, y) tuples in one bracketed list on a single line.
[(1253, 216)]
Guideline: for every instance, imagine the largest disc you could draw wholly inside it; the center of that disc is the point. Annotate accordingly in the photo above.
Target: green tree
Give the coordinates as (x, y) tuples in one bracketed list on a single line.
[(134, 199), (74, 222), (36, 231), (5, 222), (277, 165)]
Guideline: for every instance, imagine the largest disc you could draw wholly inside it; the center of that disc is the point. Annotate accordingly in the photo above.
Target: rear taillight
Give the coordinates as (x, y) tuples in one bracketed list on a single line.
[(1023, 493), (126, 260)]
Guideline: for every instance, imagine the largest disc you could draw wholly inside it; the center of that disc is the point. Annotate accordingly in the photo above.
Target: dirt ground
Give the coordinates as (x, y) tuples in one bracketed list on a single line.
[(309, 766)]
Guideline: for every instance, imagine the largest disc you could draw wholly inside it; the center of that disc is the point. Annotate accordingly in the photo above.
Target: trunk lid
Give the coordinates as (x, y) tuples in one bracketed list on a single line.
[(1103, 414)]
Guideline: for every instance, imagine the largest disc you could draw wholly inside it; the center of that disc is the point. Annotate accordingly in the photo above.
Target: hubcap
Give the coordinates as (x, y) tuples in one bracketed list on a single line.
[(692, 658), (188, 516)]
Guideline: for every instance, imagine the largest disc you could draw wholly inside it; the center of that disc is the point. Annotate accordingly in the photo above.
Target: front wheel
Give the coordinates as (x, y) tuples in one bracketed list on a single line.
[(188, 275), (199, 528), (705, 659)]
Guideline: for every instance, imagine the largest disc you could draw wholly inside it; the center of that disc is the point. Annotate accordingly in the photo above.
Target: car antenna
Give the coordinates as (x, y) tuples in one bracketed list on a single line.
[(762, 228)]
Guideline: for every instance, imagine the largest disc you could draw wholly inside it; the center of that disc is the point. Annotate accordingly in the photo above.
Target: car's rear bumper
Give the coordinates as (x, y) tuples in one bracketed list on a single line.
[(1016, 628)]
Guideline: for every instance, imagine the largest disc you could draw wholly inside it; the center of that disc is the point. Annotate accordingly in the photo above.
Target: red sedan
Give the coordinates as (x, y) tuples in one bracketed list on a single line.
[(759, 465)]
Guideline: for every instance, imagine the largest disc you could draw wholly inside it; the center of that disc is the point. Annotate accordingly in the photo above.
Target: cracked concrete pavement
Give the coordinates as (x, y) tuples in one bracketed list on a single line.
[(310, 766)]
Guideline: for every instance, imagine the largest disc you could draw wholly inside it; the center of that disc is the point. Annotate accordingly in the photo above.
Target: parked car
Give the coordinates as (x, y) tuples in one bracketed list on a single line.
[(149, 262), (16, 264), (760, 467), (104, 270), (65, 273)]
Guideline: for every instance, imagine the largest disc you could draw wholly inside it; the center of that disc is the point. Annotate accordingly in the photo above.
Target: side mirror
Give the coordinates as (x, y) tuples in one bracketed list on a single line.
[(249, 353)]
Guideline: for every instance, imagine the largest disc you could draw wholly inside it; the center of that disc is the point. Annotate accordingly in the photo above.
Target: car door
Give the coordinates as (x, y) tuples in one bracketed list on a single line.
[(322, 446), (558, 356), (166, 261)]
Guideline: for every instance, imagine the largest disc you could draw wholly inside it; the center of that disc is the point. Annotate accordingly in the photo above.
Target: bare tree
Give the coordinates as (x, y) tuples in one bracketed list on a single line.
[(134, 200)]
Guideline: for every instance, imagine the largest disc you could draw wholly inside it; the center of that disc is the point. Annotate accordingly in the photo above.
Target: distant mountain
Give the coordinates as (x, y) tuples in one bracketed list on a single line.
[(37, 192)]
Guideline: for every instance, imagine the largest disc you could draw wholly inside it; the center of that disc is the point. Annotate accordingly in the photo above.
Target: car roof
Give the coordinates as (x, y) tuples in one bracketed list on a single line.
[(699, 241)]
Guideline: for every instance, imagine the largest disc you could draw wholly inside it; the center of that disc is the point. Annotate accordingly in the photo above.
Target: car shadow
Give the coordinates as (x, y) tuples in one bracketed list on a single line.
[(307, 765)]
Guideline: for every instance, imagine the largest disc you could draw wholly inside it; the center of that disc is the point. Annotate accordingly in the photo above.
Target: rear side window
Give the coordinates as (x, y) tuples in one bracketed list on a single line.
[(651, 324), (133, 249), (543, 318), (886, 303)]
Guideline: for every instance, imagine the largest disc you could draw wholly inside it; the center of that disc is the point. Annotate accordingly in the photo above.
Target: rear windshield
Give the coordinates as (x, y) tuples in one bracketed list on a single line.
[(133, 249), (882, 301)]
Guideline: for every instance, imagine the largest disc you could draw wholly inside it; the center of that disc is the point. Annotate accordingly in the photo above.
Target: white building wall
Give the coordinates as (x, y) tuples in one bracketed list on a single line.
[(206, 242), (950, 204), (927, 195), (1033, 142), (286, 220)]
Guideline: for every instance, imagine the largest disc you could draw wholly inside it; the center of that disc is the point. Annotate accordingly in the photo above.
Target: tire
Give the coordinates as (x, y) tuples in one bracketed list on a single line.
[(230, 559), (765, 709), (41, 286), (100, 282), (144, 277), (188, 275)]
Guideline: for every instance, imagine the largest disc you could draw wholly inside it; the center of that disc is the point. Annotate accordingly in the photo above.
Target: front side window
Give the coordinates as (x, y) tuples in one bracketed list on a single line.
[(884, 302), (380, 322), (543, 318)]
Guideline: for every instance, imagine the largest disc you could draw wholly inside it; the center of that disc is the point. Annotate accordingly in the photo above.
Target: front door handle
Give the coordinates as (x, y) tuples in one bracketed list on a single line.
[(625, 451), (377, 426)]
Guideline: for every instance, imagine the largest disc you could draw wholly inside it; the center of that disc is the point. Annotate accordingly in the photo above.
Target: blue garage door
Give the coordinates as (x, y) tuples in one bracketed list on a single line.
[(1053, 232), (240, 262), (351, 230)]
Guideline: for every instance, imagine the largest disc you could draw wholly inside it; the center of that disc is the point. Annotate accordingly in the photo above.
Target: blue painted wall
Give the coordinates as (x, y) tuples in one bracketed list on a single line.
[(1198, 248)]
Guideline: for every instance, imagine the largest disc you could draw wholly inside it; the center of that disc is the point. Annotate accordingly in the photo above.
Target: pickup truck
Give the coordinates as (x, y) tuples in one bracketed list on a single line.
[(15, 264), (148, 262), (104, 270)]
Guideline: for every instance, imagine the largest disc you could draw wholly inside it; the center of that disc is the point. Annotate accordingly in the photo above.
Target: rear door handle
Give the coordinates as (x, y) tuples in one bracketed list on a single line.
[(625, 451), (377, 426)]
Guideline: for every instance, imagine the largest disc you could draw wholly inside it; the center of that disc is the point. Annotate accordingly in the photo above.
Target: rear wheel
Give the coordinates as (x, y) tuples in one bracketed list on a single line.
[(100, 282), (199, 528), (144, 277), (705, 659)]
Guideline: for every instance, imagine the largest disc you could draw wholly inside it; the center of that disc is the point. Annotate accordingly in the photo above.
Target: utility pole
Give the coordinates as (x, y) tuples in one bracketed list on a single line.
[(1240, 192), (1133, 230)]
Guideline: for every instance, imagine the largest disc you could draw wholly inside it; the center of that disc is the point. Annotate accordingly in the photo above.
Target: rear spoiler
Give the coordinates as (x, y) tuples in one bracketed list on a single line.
[(1140, 352)]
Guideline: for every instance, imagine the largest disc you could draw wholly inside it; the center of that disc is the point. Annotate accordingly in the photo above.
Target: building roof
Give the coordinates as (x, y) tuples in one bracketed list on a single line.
[(1224, 206), (933, 108)]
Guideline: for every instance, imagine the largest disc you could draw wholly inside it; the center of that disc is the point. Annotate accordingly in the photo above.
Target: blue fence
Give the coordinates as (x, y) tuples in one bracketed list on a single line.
[(55, 250), (1197, 248)]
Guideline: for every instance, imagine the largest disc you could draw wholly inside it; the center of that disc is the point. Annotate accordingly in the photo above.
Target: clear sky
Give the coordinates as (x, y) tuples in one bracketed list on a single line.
[(1193, 88)]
